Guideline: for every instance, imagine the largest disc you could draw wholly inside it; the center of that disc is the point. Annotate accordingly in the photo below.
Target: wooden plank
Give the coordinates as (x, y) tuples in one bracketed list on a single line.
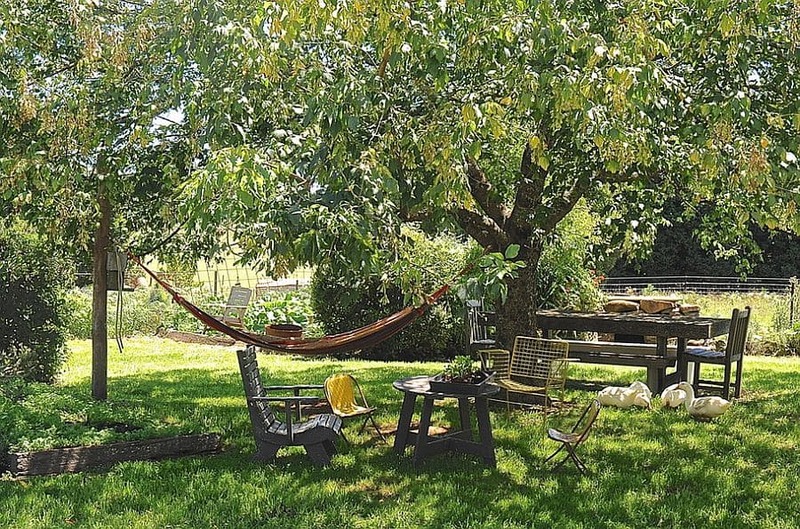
[(692, 327), (78, 459), (582, 346)]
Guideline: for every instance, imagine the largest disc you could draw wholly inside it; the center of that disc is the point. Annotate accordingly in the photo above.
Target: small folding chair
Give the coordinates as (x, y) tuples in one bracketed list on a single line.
[(340, 390), (572, 439)]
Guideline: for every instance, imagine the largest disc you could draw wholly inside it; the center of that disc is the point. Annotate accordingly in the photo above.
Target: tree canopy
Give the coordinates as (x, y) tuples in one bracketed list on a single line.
[(313, 130)]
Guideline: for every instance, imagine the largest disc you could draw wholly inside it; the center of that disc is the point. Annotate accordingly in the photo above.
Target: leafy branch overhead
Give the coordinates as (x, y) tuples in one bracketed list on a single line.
[(309, 132)]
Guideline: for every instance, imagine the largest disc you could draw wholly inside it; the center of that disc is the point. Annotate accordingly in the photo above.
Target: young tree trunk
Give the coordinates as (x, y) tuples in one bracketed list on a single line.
[(518, 315), (100, 299)]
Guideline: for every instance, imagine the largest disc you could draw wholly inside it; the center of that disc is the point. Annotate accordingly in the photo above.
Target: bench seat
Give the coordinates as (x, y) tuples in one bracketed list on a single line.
[(625, 354)]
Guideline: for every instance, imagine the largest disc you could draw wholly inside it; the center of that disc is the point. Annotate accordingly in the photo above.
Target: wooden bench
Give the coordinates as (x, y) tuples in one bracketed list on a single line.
[(317, 434), (626, 354)]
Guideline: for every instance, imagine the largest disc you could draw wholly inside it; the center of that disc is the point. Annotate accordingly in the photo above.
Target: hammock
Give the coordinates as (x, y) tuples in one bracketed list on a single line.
[(363, 337)]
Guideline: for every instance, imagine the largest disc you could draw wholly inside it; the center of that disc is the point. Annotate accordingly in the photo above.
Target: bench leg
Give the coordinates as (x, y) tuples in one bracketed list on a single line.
[(318, 454), (265, 451), (656, 377)]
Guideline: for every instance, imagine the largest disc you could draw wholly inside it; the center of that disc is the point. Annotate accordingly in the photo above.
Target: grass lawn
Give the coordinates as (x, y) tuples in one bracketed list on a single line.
[(651, 468)]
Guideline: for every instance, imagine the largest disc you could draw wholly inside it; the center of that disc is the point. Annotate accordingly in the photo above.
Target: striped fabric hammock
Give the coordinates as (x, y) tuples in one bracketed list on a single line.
[(361, 338)]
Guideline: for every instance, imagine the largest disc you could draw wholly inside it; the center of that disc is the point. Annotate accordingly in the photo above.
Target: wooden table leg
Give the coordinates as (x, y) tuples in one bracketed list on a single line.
[(485, 431), (463, 411), (683, 363), (404, 422), (424, 424)]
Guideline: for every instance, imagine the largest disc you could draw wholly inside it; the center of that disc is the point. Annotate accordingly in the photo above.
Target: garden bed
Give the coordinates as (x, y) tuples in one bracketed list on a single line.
[(78, 459)]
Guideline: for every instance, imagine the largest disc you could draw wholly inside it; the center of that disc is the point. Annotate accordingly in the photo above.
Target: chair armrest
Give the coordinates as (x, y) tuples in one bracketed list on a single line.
[(299, 386), (287, 399)]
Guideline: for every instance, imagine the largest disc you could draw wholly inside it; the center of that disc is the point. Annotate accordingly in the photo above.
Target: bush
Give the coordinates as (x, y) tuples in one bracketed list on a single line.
[(563, 279), (284, 307), (342, 303), (32, 279)]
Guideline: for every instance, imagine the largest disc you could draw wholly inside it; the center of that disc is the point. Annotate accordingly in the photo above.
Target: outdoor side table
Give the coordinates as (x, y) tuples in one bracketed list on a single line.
[(459, 441)]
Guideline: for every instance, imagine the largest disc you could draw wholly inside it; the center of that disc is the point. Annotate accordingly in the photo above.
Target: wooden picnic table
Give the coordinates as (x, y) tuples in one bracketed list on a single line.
[(458, 441), (662, 326)]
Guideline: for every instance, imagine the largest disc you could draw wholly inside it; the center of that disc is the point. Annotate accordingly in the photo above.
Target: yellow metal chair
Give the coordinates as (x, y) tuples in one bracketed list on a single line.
[(536, 366), (340, 390)]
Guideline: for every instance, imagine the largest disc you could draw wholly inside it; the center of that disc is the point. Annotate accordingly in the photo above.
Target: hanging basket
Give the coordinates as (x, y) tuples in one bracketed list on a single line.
[(284, 330)]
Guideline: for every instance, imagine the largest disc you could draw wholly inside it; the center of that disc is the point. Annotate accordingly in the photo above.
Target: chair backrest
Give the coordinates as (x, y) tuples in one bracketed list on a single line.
[(737, 335), (583, 425), (540, 359), (340, 390), (477, 322), (497, 360), (237, 303), (260, 412)]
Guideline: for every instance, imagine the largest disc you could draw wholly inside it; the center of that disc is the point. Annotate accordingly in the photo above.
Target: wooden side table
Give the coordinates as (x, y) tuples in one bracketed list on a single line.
[(459, 441)]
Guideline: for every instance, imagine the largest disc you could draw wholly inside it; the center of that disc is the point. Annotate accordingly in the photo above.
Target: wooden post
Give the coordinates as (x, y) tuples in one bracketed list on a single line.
[(100, 299)]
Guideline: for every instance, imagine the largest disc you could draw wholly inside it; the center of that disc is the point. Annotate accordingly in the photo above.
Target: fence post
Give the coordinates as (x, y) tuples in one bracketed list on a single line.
[(216, 280), (792, 283)]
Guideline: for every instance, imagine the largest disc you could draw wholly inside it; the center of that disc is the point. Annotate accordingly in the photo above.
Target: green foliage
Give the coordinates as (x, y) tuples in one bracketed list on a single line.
[(32, 279), (564, 278), (342, 303), (283, 307), (488, 280), (35, 416), (649, 468), (460, 368), (145, 311)]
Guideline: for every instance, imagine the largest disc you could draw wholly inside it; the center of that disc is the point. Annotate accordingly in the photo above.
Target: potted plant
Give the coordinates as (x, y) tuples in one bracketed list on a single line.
[(462, 376)]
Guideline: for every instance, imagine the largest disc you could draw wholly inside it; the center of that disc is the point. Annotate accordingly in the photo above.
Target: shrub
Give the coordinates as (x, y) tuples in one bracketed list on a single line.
[(342, 303), (563, 278), (283, 307), (32, 279)]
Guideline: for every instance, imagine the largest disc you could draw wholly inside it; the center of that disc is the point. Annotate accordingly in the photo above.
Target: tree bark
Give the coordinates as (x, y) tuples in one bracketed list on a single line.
[(517, 316), (100, 299)]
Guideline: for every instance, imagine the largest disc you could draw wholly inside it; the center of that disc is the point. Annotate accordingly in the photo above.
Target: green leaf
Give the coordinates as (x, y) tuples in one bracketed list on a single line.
[(512, 251)]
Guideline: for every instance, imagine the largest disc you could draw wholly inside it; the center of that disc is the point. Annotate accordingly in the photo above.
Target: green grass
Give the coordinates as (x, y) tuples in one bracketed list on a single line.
[(651, 468)]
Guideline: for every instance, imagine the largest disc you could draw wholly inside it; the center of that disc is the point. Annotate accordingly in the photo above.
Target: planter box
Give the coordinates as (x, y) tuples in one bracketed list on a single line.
[(78, 459), (439, 385), (284, 330)]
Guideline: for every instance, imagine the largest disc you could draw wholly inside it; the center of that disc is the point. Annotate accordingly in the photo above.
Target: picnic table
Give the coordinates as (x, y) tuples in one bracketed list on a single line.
[(458, 441), (657, 358)]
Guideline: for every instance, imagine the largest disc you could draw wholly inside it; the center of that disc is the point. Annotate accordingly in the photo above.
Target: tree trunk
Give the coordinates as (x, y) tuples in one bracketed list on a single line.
[(100, 299), (518, 315)]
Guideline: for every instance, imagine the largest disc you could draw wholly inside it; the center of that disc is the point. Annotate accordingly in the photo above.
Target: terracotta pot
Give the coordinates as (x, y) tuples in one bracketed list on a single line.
[(284, 330)]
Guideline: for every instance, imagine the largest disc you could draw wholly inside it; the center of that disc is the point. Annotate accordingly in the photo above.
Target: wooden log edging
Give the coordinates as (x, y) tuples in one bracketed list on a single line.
[(78, 459)]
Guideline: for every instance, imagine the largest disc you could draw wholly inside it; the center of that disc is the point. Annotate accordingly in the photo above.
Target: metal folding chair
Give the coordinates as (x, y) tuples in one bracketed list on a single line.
[(575, 437)]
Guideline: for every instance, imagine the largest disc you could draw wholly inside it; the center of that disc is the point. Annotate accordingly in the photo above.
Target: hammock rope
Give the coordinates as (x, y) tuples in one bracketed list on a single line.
[(354, 340)]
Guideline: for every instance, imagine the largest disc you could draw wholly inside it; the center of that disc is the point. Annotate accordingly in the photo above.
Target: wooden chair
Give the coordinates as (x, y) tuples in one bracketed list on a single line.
[(536, 366), (232, 312), (572, 439), (317, 434), (478, 323), (734, 352), (340, 390)]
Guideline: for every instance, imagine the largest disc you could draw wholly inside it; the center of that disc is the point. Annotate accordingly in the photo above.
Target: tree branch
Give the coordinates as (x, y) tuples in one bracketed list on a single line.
[(483, 229), (529, 190), (480, 189)]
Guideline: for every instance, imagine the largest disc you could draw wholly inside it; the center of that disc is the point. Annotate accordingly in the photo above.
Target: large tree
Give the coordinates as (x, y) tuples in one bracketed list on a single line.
[(494, 118), (88, 153)]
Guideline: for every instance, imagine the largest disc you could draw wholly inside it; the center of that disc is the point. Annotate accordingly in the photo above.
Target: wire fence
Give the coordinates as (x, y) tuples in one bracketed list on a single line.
[(786, 288), (699, 284), (218, 281)]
